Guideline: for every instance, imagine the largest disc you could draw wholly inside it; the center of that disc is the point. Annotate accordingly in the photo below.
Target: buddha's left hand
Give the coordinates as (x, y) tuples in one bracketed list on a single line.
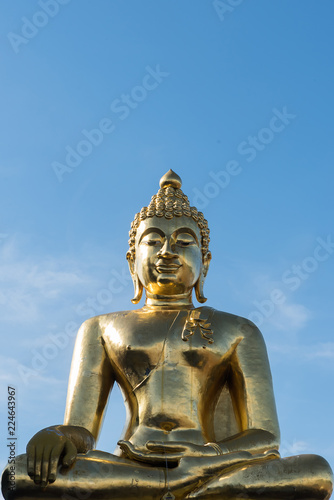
[(162, 452)]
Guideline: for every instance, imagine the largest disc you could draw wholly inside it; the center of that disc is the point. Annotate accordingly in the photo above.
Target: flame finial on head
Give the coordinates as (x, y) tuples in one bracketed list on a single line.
[(170, 179)]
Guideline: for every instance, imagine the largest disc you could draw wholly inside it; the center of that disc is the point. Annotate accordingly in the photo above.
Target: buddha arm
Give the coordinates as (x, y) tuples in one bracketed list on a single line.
[(251, 390), (91, 380)]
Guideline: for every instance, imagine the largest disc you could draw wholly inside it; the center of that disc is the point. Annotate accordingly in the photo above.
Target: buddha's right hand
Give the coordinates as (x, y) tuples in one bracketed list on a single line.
[(45, 451)]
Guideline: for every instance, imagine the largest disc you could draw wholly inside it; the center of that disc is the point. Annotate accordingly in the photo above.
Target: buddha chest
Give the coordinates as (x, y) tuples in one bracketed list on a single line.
[(176, 347)]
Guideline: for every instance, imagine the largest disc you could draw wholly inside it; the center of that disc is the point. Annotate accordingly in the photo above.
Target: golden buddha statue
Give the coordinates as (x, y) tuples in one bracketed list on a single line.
[(201, 416)]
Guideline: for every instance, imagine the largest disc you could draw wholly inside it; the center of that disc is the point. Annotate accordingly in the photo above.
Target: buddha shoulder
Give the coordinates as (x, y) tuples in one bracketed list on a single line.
[(94, 327), (223, 325), (227, 324)]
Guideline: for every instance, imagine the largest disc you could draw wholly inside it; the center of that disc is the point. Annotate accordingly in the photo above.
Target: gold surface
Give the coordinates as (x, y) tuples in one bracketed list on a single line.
[(201, 416)]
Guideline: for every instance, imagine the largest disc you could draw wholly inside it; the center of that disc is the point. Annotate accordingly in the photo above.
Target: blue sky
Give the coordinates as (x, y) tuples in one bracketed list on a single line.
[(98, 101)]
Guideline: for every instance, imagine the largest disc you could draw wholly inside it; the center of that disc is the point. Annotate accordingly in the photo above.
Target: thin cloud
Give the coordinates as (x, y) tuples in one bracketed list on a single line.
[(10, 375), (290, 316), (324, 351), (28, 283), (319, 351), (283, 313)]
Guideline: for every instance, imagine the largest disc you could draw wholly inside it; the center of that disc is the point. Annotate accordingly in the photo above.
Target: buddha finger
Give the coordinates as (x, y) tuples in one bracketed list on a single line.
[(31, 450), (45, 467), (158, 458), (132, 452), (38, 464), (70, 454), (128, 448), (166, 447), (163, 458), (53, 463)]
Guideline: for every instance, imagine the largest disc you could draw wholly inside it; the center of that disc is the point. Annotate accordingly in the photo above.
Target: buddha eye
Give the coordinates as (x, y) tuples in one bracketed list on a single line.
[(153, 243), (185, 240), (152, 240)]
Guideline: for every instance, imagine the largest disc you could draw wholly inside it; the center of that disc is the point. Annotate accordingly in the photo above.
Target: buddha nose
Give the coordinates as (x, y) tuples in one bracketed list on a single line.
[(166, 250)]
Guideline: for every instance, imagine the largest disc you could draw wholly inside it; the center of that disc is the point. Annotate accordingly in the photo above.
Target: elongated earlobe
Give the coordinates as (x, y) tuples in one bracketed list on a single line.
[(199, 286), (138, 288)]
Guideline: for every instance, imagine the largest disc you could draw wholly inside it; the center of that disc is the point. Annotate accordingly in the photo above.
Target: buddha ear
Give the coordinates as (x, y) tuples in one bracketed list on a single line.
[(138, 287), (199, 286), (206, 263)]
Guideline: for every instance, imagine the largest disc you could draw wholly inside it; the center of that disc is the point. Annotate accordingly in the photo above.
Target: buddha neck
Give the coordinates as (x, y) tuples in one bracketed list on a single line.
[(182, 301)]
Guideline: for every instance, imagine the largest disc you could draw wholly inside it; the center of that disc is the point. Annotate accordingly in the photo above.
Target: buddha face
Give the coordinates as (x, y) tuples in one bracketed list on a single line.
[(168, 255)]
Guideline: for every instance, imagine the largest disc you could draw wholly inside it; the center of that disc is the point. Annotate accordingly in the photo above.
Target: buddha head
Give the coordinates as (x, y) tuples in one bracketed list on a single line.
[(169, 245)]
